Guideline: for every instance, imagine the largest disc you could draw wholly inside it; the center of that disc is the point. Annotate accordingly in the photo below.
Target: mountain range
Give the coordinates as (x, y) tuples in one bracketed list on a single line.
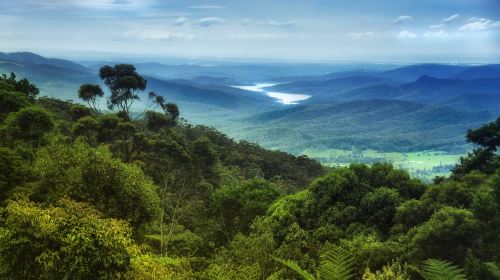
[(385, 107)]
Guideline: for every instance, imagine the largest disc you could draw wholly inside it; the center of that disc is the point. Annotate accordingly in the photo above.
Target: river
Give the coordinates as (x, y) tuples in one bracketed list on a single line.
[(281, 97)]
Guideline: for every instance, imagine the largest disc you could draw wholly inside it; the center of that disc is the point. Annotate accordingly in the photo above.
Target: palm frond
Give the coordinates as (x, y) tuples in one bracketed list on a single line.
[(336, 264), (441, 270), (295, 267)]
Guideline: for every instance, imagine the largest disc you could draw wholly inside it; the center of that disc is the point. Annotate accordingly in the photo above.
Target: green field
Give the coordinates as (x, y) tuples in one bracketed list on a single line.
[(425, 164)]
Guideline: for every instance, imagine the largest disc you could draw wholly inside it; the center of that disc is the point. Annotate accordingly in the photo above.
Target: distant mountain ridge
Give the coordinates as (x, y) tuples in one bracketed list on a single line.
[(387, 108), (32, 58)]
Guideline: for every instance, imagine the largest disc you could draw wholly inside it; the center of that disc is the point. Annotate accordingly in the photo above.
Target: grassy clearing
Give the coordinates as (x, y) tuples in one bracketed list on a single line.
[(425, 164)]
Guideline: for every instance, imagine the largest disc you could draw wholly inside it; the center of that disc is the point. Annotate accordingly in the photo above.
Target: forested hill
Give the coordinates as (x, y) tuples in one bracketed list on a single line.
[(88, 193)]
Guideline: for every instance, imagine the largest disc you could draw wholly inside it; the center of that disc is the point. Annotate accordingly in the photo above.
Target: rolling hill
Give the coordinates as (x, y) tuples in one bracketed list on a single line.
[(353, 106)]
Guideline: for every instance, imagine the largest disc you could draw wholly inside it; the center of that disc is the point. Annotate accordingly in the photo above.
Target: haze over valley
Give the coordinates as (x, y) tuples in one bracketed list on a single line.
[(252, 140), (337, 113)]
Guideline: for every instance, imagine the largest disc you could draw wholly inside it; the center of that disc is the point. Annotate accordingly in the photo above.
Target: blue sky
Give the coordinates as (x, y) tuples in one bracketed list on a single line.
[(293, 30)]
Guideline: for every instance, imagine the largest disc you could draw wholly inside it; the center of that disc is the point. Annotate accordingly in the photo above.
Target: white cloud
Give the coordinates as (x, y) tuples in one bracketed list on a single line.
[(209, 21), (441, 34), (156, 35), (255, 36), (451, 18), (207, 7), (180, 21), (246, 21), (436, 26), (277, 23), (402, 19), (361, 35), (480, 24), (405, 34)]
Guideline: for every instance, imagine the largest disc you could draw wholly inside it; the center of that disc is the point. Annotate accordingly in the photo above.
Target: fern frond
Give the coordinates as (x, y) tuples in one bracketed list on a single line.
[(336, 264), (295, 267), (441, 270), (494, 269), (250, 273)]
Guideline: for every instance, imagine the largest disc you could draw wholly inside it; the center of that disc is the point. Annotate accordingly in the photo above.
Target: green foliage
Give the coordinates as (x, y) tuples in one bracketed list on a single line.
[(335, 265), (295, 267), (90, 174), (14, 171), (123, 82), (22, 85), (237, 206), (29, 124), (79, 111), (486, 136), (67, 241), (440, 270), (446, 235), (90, 94), (494, 269), (392, 271), (155, 121), (208, 207), (148, 267), (10, 101)]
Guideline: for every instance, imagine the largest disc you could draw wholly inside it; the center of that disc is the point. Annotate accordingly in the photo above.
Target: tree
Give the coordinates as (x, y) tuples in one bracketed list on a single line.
[(79, 111), (237, 206), (88, 174), (169, 109), (155, 121), (173, 110), (23, 85), (90, 93), (11, 101), (487, 136), (123, 82), (29, 124), (85, 127), (483, 158), (69, 240), (14, 171), (447, 235)]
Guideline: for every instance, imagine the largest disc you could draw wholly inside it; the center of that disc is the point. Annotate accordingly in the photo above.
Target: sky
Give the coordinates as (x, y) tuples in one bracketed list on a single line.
[(452, 31)]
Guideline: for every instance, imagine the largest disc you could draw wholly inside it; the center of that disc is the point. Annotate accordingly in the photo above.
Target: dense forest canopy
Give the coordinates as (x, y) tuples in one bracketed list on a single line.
[(88, 193)]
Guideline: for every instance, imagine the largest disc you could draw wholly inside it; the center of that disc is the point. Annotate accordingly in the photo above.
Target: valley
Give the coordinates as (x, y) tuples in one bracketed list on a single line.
[(413, 116)]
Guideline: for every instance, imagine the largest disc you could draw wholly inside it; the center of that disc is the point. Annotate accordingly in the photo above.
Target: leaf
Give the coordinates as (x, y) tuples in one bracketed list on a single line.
[(336, 264), (295, 267), (250, 273), (494, 269), (441, 270)]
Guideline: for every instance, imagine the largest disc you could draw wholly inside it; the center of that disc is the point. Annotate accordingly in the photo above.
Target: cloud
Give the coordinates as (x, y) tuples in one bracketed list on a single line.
[(441, 34), (451, 18), (405, 34), (156, 35), (256, 36), (180, 21), (207, 7), (209, 21), (271, 22), (246, 21), (91, 4), (436, 26), (361, 35), (402, 19), (480, 24), (278, 23)]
